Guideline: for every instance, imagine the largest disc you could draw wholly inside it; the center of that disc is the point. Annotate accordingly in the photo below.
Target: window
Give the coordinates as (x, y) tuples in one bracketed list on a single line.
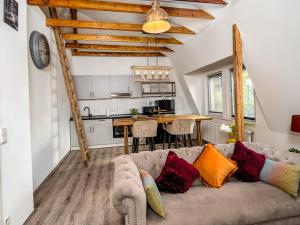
[(215, 93), (249, 96)]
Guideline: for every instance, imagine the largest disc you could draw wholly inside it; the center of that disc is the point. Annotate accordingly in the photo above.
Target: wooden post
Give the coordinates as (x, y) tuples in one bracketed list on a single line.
[(238, 83), (126, 140), (82, 140), (199, 134)]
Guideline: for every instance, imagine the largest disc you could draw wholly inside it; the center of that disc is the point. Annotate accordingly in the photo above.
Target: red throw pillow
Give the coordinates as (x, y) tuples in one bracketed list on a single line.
[(177, 175), (249, 162)]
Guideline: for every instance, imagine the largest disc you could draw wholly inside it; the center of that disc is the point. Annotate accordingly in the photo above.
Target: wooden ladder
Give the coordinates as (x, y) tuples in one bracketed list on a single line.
[(81, 135)]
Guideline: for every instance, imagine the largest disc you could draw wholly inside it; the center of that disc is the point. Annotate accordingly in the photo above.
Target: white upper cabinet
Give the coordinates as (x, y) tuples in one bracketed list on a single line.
[(135, 89), (101, 87), (83, 87), (120, 84)]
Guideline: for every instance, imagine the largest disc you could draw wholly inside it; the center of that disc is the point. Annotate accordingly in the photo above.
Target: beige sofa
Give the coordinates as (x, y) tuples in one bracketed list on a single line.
[(236, 203)]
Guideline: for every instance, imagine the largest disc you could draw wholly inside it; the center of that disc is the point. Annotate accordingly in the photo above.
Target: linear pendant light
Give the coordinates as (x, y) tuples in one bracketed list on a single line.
[(157, 20)]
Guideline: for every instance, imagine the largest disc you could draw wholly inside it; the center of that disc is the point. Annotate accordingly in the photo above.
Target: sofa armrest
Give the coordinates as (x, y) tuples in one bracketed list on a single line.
[(129, 197)]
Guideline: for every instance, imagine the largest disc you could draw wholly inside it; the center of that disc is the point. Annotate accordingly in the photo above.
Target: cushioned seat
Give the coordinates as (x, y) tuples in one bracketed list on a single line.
[(234, 203)]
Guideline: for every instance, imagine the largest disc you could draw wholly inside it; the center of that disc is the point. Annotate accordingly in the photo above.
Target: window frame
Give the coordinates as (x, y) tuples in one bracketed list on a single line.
[(232, 97), (209, 76)]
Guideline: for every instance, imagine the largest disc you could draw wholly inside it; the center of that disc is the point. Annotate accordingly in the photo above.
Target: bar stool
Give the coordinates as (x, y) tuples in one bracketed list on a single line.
[(146, 130), (180, 128)]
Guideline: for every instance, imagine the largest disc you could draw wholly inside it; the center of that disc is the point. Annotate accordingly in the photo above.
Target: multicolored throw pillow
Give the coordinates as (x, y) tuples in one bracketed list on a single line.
[(154, 198), (281, 175), (177, 175), (214, 168), (249, 162)]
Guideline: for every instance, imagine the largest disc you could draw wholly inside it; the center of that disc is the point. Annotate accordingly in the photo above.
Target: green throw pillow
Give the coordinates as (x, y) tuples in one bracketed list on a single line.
[(154, 198)]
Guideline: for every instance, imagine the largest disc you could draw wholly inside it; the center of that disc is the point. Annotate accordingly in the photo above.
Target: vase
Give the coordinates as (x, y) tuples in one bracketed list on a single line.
[(134, 117), (231, 138)]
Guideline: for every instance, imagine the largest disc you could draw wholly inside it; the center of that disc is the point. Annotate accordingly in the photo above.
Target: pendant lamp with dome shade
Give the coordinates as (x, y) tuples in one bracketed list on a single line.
[(157, 20)]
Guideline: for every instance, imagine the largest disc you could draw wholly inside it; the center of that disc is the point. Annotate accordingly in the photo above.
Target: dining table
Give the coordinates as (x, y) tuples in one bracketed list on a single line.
[(126, 123)]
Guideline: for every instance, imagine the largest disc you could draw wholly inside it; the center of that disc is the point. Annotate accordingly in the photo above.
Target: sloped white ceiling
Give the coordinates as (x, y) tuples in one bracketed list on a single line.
[(271, 37)]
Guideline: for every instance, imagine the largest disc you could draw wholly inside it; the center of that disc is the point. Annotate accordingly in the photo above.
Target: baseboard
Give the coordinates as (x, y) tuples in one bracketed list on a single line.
[(51, 173)]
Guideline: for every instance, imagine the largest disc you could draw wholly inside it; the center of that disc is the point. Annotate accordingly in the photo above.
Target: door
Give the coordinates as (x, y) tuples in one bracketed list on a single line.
[(82, 86), (88, 129), (102, 132), (101, 87)]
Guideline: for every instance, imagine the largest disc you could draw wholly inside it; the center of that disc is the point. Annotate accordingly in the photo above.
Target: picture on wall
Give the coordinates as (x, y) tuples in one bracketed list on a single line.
[(11, 13)]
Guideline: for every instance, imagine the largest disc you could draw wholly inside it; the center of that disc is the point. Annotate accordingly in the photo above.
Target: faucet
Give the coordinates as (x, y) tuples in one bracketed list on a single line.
[(89, 111)]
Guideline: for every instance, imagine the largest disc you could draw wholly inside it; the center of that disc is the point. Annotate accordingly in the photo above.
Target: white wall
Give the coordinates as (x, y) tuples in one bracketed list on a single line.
[(49, 112), (16, 168), (271, 38)]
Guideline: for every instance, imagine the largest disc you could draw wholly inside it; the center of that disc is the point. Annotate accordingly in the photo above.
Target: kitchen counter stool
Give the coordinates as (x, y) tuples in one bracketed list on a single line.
[(179, 129), (146, 130)]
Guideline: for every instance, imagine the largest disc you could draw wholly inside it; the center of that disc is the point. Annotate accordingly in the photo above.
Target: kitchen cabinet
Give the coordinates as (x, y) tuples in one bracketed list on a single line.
[(101, 87), (98, 132), (126, 84), (82, 86), (136, 89), (101, 132), (92, 87), (87, 128), (120, 84)]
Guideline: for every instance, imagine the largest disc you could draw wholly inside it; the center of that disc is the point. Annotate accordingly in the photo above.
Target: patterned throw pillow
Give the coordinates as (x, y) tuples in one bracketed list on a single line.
[(249, 162), (214, 168), (154, 198), (281, 175), (177, 175)]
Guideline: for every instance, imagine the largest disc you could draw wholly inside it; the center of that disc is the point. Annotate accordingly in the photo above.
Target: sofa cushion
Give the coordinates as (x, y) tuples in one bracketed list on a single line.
[(177, 175), (154, 199), (249, 162), (281, 175), (214, 168), (235, 203)]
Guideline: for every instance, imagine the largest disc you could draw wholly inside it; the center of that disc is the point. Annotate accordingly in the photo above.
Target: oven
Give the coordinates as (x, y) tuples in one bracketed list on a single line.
[(118, 132)]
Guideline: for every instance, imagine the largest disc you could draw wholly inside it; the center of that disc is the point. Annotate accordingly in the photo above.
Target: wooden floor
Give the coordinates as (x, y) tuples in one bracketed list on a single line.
[(75, 195)]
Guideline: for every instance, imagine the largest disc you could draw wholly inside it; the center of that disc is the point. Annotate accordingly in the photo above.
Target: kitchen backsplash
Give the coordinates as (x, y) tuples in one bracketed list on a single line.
[(115, 106)]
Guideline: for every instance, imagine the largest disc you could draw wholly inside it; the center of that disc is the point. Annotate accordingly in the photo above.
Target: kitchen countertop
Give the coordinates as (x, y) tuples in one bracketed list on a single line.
[(103, 117), (116, 116)]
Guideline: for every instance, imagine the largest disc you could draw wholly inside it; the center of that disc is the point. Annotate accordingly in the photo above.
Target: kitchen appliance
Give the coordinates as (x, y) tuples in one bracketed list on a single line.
[(166, 106), (150, 110)]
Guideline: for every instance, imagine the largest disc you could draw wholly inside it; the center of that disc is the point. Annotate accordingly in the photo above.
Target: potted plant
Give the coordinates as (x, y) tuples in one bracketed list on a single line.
[(230, 130), (134, 112)]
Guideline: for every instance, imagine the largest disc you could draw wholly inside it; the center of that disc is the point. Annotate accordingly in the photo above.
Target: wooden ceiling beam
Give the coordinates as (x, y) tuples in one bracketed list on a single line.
[(120, 7), (73, 15), (108, 26), (117, 47), (218, 2), (118, 54), (112, 38)]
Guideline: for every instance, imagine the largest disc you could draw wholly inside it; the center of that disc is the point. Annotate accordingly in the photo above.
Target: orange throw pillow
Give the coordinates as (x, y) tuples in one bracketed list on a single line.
[(214, 168)]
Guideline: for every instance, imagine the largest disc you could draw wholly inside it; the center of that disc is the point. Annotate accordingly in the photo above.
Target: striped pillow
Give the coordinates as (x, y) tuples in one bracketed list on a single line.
[(281, 175), (154, 198)]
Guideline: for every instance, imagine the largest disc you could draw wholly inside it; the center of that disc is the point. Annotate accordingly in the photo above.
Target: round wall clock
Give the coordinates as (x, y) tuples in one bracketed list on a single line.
[(39, 49)]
